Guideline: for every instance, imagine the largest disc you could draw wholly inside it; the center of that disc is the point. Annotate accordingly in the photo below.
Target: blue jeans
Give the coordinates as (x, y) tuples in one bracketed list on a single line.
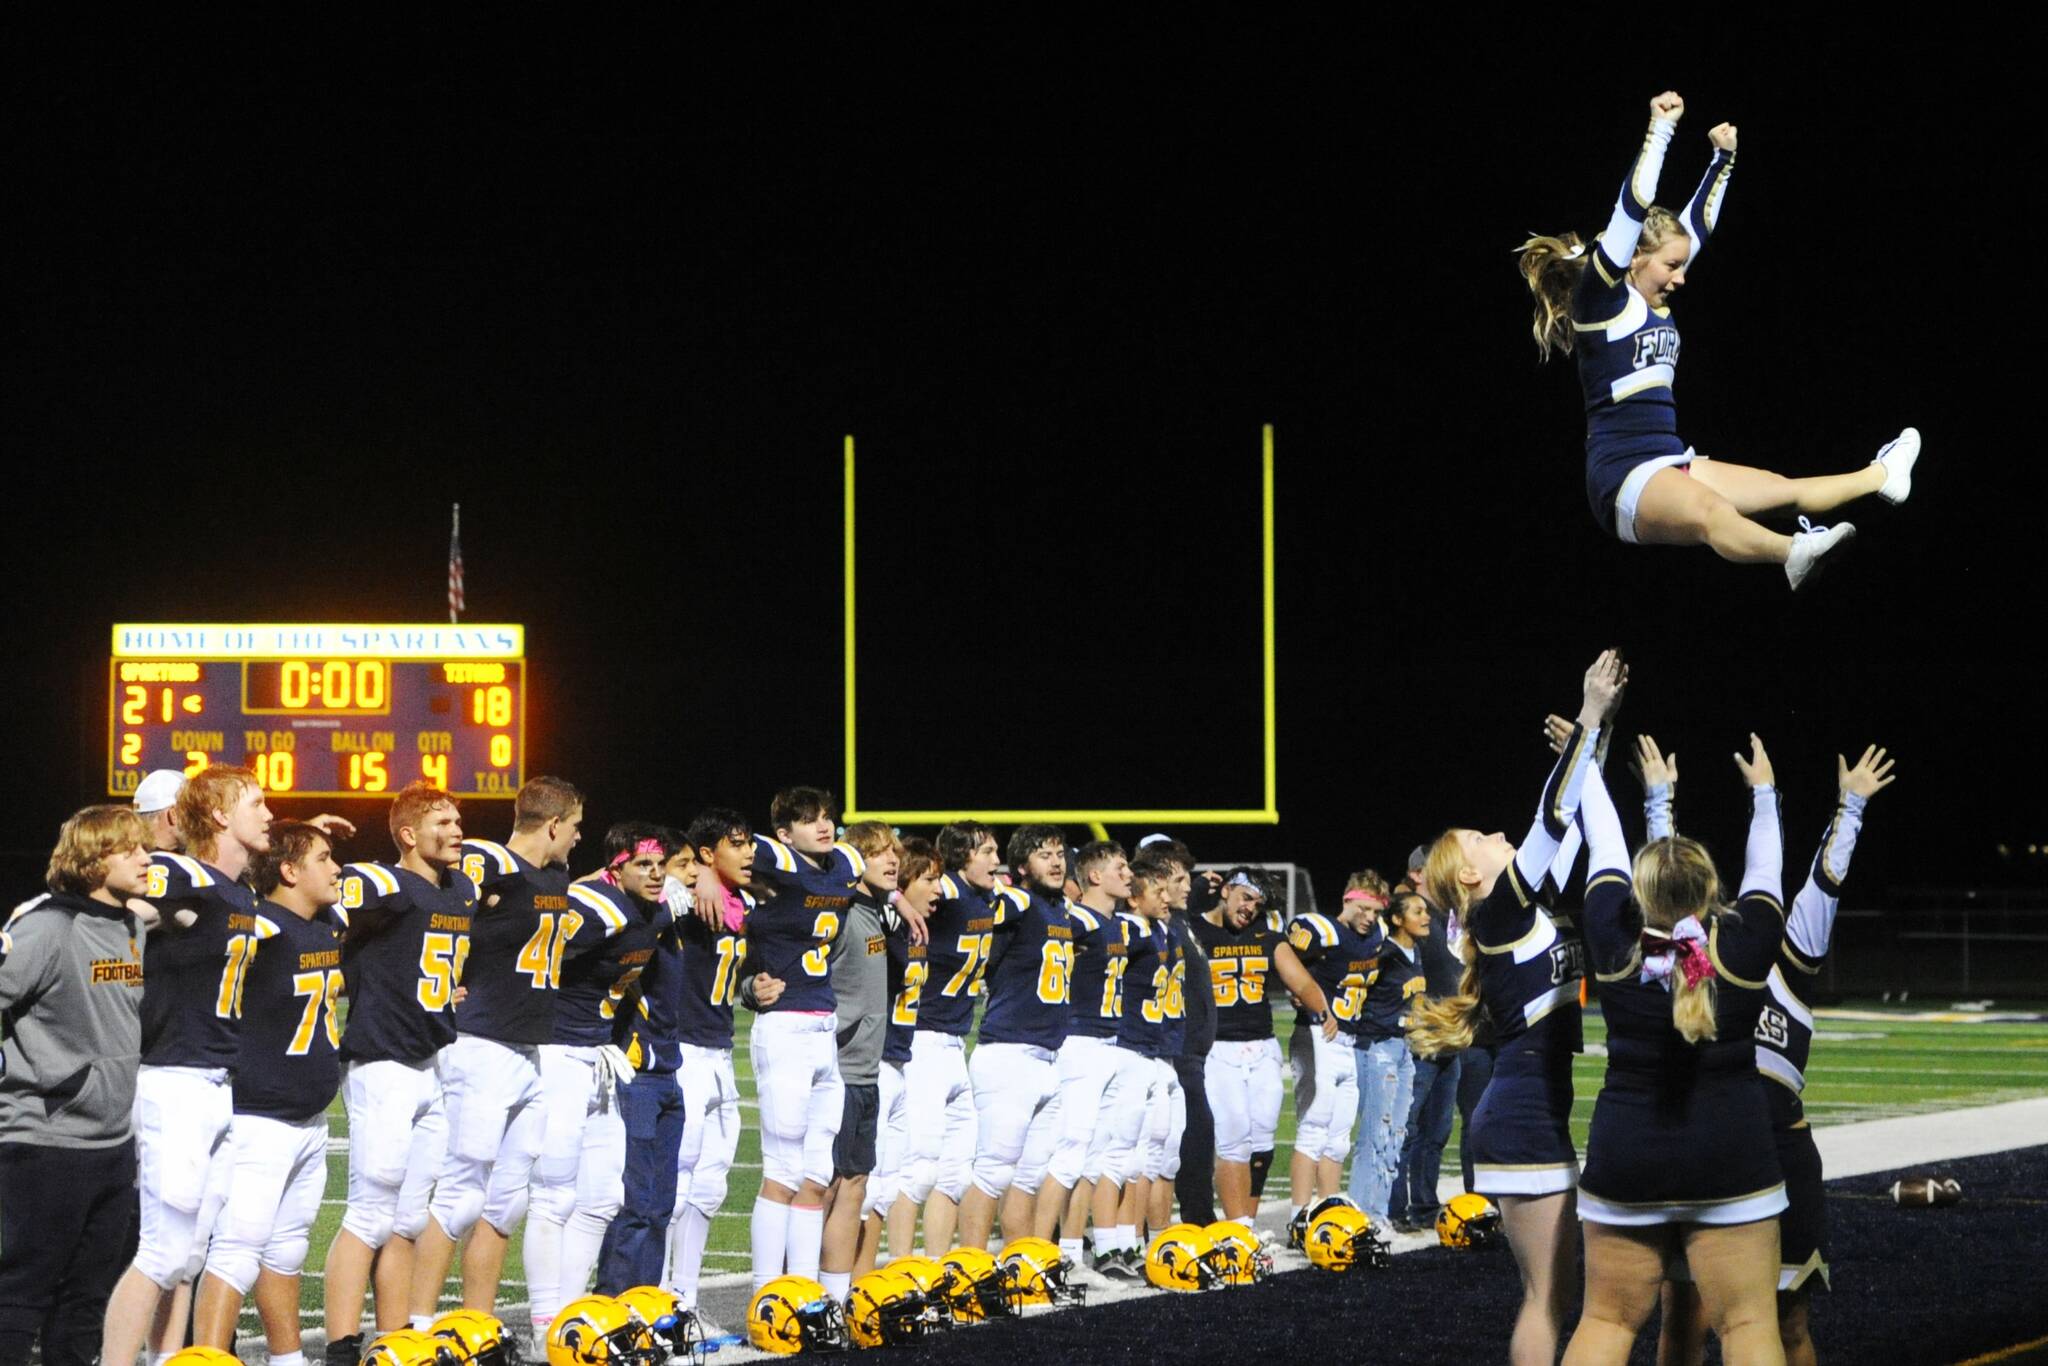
[(1386, 1071), (1429, 1128), (634, 1246)]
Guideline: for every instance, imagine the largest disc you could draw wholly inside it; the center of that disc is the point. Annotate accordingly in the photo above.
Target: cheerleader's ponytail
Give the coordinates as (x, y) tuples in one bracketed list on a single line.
[(1551, 266)]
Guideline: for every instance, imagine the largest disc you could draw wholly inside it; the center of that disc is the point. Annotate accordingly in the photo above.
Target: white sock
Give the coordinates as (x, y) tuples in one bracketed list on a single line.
[(159, 1358), (806, 1238), (1070, 1248), (543, 1253), (771, 1239), (695, 1232), (836, 1283), (422, 1322), (1126, 1236), (288, 1358), (582, 1240)]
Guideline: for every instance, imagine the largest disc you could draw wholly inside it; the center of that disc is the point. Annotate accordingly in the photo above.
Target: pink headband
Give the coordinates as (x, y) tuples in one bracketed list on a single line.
[(1372, 899), (626, 856)]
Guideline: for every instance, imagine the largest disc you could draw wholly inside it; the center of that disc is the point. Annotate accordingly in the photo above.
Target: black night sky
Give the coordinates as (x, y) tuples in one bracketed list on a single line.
[(278, 301)]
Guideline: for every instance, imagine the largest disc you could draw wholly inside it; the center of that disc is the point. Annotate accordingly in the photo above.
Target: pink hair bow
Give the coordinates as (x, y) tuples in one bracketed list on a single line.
[(1684, 949)]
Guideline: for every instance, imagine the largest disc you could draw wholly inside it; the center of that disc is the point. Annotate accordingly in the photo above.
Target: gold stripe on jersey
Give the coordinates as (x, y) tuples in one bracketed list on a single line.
[(266, 928), (854, 858), (195, 871), (785, 857), (600, 903)]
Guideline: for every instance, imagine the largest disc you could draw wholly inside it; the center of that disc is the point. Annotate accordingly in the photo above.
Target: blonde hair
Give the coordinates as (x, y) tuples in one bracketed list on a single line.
[(872, 838), (1367, 880), (217, 787), (79, 862), (1675, 878), (1448, 1024), (1552, 266)]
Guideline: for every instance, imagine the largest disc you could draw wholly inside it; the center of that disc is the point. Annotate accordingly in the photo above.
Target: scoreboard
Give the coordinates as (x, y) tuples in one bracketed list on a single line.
[(321, 710)]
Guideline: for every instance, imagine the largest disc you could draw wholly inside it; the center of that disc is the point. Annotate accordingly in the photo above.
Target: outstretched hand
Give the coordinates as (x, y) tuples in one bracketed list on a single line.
[(1756, 770), (1653, 765), (1557, 731), (1604, 681), (1669, 106), (1723, 137), (1872, 774)]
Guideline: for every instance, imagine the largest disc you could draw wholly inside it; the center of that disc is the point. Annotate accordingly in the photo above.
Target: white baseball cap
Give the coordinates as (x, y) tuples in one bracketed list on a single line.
[(158, 791)]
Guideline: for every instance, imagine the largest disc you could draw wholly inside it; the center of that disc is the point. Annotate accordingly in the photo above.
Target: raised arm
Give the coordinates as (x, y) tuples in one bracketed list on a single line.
[(1811, 923), (1539, 848), (1703, 210), (1617, 243), (1763, 868), (1659, 774)]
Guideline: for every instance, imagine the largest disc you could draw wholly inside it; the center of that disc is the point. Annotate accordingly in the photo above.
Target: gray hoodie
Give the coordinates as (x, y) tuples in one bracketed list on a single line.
[(71, 1009)]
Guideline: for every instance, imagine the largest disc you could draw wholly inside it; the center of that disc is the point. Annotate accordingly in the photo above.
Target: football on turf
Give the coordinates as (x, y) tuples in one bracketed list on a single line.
[(1919, 1192)]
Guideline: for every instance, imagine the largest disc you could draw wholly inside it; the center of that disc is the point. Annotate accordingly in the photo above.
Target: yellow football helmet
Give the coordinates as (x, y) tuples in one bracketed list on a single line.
[(1467, 1221), (888, 1309), (1183, 1257), (1341, 1238), (933, 1280), (1244, 1258), (1297, 1227), (410, 1347), (674, 1327), (793, 1314), (203, 1356), (479, 1339), (981, 1287), (597, 1330), (1042, 1272)]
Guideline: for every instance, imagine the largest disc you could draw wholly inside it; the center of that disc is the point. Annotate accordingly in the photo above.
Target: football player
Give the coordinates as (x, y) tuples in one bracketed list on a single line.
[(1088, 1060), (803, 884), (406, 936), (194, 965), (1338, 951), (1015, 1069), (1246, 947), (649, 1028), (490, 1075), (287, 1072), (1144, 1002), (918, 878), (579, 1180), (940, 1153), (712, 955)]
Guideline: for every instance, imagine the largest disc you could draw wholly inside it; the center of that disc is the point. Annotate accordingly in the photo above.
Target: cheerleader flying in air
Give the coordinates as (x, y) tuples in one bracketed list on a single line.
[(1609, 304)]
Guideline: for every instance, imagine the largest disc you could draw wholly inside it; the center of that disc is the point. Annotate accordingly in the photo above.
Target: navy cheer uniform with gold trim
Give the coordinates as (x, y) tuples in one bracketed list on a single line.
[(1628, 351), (1529, 969), (403, 955), (193, 974), (1784, 1038), (1680, 1131)]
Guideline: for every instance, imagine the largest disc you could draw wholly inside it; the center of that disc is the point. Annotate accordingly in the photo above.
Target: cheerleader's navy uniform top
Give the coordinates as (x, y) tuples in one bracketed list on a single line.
[(1529, 969), (1681, 1132), (1627, 350)]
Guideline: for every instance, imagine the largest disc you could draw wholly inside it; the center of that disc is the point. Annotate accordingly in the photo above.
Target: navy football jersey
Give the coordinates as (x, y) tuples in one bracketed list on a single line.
[(290, 1059), (193, 976), (1101, 956), (595, 984), (1393, 984), (800, 905), (517, 947), (1030, 974), (1340, 959), (403, 954), (909, 970), (962, 929), (1240, 962), (711, 978), (1153, 983)]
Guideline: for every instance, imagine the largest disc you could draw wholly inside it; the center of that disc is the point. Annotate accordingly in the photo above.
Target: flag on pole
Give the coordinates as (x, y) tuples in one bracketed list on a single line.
[(455, 603)]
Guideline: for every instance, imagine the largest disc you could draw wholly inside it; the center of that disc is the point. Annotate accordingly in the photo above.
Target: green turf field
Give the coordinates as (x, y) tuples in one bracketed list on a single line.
[(1862, 1068)]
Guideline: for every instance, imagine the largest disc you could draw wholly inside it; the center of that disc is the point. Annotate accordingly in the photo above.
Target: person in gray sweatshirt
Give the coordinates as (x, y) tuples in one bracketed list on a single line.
[(71, 1011)]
